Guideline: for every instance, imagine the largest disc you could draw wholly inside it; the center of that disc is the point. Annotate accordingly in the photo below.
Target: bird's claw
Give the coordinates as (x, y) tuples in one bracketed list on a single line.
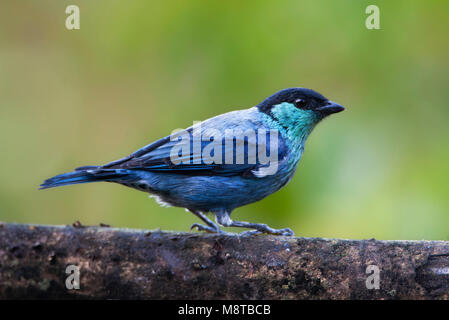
[(200, 227), (287, 232)]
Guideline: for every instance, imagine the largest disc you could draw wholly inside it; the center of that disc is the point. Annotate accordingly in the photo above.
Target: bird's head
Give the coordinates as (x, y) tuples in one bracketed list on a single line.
[(298, 110)]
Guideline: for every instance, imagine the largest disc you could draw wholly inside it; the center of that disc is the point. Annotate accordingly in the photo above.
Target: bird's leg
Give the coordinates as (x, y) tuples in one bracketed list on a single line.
[(211, 227), (225, 220)]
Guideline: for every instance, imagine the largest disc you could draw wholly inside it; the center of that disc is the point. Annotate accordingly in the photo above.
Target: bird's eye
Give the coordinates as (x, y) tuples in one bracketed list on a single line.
[(300, 103)]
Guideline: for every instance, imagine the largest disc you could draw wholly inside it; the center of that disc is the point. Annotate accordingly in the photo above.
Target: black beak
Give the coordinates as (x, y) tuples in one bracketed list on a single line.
[(330, 108)]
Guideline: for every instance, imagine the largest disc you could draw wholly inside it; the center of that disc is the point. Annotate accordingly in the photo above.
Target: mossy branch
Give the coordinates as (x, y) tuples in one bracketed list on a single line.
[(137, 264)]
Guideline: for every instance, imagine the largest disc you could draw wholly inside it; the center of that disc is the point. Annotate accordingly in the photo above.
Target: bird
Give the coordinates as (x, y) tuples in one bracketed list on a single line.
[(221, 163)]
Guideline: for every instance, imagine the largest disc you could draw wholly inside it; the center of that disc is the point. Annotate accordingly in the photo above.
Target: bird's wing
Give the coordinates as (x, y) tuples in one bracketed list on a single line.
[(186, 153)]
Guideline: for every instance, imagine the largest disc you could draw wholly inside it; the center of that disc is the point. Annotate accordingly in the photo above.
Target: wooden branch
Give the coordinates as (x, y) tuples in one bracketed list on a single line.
[(137, 264)]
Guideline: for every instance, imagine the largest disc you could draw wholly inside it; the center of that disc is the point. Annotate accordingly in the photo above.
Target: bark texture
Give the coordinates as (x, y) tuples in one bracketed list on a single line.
[(137, 264)]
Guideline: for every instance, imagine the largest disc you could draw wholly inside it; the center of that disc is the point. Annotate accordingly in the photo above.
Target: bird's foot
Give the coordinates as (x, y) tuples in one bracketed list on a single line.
[(287, 232), (201, 227), (278, 232), (222, 218), (250, 233)]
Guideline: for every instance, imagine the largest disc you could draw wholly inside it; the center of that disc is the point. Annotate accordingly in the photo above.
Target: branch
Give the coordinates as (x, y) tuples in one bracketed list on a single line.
[(137, 264)]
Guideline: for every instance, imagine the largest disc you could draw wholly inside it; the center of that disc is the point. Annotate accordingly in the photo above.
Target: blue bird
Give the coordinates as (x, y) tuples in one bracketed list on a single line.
[(221, 163)]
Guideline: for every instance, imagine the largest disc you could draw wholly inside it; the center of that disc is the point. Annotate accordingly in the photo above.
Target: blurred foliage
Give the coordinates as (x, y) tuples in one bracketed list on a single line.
[(136, 70)]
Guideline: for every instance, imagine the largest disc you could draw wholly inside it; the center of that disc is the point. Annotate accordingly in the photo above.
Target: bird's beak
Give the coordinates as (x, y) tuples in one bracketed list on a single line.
[(330, 108)]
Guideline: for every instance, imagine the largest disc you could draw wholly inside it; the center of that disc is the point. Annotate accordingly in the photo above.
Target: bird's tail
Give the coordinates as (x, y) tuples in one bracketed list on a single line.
[(86, 175)]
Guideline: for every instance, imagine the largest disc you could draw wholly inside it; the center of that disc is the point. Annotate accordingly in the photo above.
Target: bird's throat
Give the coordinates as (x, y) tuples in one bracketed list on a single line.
[(296, 124)]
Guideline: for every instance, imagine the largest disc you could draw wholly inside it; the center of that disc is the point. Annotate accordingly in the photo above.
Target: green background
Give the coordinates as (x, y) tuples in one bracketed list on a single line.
[(136, 70)]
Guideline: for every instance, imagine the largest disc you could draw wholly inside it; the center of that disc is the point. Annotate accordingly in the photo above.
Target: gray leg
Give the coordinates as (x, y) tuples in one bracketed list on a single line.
[(211, 226), (225, 220)]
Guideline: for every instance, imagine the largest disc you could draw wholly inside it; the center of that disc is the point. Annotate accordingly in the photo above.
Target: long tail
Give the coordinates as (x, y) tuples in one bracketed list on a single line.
[(86, 175)]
